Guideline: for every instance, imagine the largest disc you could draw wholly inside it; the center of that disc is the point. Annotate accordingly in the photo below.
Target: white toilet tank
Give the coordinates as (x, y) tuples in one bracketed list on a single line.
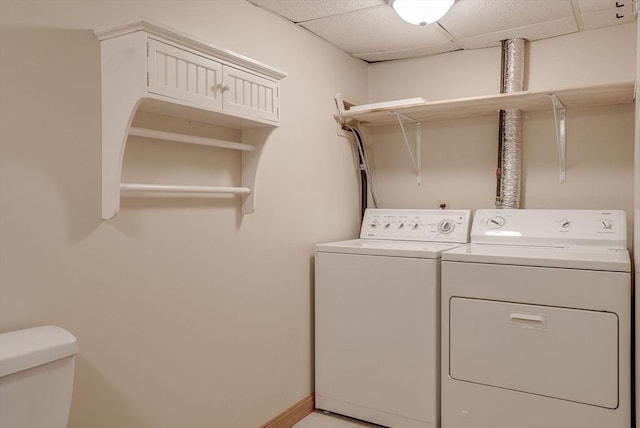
[(36, 377)]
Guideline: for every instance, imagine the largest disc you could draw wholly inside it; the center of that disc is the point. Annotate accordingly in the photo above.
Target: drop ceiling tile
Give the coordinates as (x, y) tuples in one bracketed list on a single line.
[(305, 10), (471, 17), (606, 18), (370, 29), (377, 29), (593, 5), (532, 32)]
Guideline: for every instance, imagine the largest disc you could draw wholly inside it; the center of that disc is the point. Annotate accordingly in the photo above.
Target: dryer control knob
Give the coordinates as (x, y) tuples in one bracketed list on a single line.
[(446, 226), (564, 223), (496, 222), (606, 224)]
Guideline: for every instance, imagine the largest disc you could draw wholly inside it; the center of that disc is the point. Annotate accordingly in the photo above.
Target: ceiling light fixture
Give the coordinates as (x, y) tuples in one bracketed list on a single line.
[(421, 12)]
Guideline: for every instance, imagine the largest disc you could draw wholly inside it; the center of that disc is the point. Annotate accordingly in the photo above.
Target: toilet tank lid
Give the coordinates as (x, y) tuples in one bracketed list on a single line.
[(31, 347)]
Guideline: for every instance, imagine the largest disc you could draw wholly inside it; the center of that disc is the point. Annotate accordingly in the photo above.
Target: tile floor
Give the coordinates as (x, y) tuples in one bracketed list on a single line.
[(320, 419)]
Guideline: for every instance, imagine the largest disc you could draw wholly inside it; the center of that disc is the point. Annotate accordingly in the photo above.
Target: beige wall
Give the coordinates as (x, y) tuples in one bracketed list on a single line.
[(459, 156), (187, 314), (636, 221), (637, 173), (586, 58)]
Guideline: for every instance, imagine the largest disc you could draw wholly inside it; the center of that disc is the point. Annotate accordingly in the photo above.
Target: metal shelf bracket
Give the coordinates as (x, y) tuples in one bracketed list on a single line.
[(560, 116), (417, 160)]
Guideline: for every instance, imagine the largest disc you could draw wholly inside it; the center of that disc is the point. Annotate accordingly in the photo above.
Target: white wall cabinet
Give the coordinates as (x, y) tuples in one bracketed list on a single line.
[(178, 73), (149, 67)]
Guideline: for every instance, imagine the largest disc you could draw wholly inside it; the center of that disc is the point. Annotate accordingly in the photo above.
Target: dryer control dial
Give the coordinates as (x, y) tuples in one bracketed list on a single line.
[(446, 226), (496, 222), (564, 223), (606, 224)]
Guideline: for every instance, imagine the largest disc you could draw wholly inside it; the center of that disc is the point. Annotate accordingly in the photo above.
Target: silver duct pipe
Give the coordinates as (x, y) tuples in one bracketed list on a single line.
[(510, 144)]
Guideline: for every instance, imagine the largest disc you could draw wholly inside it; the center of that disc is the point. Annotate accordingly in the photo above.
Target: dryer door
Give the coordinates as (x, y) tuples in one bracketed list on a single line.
[(568, 354)]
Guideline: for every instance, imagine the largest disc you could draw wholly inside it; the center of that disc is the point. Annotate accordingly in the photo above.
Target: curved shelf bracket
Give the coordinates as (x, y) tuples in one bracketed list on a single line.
[(417, 160), (560, 116), (115, 131), (256, 137)]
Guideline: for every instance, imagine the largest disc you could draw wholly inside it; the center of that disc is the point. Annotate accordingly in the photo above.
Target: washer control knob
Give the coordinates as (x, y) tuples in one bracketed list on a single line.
[(401, 225), (606, 224), (496, 222), (415, 226), (375, 223), (446, 226), (564, 223)]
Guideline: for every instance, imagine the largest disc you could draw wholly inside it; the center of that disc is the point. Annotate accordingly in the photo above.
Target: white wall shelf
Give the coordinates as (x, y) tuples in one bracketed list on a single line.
[(190, 139), (385, 114), (149, 67), (601, 95)]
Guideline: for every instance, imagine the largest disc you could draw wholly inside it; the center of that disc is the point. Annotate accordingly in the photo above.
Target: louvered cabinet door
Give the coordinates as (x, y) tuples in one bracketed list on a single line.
[(184, 75), (249, 95)]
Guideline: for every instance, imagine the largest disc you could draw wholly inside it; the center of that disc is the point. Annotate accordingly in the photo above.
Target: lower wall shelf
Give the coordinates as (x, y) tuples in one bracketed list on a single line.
[(155, 190)]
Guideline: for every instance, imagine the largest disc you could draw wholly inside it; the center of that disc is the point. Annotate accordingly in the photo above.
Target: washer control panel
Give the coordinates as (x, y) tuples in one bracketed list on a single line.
[(551, 227), (416, 225)]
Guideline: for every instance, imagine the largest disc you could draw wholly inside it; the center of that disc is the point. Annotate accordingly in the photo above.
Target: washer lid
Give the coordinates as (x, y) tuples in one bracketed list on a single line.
[(573, 257), (375, 247)]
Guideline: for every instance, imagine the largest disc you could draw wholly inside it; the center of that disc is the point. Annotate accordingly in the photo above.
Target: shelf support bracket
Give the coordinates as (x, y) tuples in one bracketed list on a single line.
[(560, 116), (417, 160)]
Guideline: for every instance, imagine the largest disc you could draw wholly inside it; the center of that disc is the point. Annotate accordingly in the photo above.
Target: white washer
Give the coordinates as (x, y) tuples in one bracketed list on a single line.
[(377, 317), (536, 322)]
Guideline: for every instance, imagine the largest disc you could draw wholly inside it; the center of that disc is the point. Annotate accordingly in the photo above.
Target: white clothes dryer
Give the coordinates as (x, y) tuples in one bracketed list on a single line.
[(377, 317), (536, 322)]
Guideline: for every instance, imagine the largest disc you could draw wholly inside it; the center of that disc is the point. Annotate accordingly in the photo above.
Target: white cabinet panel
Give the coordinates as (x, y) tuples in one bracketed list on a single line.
[(180, 74), (249, 94), (569, 354)]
